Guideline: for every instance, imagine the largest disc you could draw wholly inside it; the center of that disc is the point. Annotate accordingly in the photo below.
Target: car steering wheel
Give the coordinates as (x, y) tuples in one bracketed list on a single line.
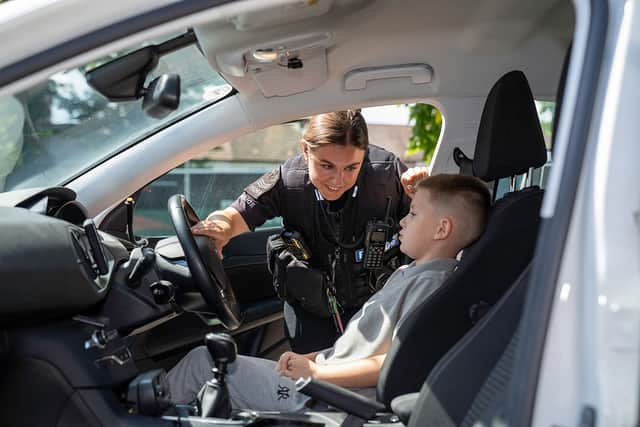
[(205, 265)]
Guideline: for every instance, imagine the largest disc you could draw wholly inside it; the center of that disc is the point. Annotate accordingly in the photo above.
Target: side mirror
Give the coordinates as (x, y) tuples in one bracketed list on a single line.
[(162, 96)]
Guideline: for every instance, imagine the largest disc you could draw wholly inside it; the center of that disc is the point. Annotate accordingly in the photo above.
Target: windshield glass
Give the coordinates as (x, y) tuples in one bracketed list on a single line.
[(61, 127)]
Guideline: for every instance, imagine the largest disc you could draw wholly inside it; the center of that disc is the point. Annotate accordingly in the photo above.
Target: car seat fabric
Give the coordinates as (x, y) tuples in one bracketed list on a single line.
[(489, 405), (463, 387), (509, 134), (490, 266), (485, 272)]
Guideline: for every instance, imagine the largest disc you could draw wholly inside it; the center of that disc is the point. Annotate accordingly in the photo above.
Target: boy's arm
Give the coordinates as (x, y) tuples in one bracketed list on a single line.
[(356, 374), (312, 356)]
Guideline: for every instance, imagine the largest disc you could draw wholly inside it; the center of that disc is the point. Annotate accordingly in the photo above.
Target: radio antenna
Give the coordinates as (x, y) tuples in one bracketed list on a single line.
[(387, 213)]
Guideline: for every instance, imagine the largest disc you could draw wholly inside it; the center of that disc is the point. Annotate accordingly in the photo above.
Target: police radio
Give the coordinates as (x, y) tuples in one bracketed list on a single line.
[(293, 242), (375, 240)]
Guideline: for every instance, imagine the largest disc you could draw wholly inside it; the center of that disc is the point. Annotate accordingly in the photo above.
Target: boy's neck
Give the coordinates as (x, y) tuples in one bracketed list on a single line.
[(436, 253)]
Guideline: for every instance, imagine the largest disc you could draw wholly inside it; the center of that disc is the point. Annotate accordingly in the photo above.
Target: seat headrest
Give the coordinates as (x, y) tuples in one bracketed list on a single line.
[(510, 139)]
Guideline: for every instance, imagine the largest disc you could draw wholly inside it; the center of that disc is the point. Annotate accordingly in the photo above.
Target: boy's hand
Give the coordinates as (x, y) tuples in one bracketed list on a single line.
[(295, 366), (410, 178)]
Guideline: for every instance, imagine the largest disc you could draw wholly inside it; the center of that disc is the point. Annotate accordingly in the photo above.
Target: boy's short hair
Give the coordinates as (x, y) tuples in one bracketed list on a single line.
[(467, 195)]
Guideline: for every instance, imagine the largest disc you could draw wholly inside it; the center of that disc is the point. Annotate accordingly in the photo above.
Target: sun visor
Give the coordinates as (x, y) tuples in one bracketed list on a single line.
[(281, 67)]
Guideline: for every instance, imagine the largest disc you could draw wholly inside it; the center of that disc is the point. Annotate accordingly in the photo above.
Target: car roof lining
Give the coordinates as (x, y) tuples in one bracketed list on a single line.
[(490, 38)]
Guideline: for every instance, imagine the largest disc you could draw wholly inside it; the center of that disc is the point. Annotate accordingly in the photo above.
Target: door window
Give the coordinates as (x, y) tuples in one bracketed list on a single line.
[(539, 176), (214, 180)]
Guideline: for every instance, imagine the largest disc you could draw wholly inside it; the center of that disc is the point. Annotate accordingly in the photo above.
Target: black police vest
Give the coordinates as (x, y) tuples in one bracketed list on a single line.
[(341, 234)]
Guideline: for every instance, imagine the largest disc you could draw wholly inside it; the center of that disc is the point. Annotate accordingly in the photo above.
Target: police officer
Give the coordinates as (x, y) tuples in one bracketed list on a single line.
[(327, 194)]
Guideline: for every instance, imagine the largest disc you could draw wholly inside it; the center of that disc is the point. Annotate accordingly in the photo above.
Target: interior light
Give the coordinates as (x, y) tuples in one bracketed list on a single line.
[(265, 55)]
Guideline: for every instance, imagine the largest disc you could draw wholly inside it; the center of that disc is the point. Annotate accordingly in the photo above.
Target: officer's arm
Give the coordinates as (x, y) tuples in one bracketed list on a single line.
[(356, 374), (232, 218)]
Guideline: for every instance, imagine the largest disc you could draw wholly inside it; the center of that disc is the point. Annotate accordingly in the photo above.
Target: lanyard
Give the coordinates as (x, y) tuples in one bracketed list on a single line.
[(334, 305)]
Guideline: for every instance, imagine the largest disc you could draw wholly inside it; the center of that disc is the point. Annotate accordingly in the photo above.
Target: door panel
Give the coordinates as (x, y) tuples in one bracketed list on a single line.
[(245, 261), (262, 332)]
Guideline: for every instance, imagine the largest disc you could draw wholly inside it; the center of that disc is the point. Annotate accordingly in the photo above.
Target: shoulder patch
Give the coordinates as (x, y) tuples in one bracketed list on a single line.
[(263, 184)]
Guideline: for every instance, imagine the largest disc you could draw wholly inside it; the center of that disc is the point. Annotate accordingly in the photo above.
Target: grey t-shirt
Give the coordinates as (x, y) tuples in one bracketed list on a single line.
[(371, 329)]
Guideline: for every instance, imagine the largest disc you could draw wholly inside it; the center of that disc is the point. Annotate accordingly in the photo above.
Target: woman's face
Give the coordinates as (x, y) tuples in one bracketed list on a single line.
[(333, 168)]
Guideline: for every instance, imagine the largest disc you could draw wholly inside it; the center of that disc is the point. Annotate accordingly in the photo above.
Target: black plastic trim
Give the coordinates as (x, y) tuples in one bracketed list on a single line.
[(554, 231), (101, 36)]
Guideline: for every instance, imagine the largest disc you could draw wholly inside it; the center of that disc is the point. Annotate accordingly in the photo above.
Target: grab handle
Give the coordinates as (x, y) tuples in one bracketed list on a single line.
[(418, 73)]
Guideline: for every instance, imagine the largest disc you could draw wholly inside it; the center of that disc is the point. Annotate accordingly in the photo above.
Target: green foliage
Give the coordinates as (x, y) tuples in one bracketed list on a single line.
[(546, 111), (428, 125), (426, 130)]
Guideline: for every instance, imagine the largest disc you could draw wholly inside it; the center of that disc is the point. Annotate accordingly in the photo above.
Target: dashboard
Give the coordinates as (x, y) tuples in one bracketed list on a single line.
[(56, 202), (52, 267)]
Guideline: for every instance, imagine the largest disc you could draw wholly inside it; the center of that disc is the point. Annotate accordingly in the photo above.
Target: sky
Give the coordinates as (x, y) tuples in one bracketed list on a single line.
[(387, 115)]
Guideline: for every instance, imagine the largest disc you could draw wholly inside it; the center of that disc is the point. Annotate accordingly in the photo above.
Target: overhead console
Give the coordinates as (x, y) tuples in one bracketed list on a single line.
[(281, 67)]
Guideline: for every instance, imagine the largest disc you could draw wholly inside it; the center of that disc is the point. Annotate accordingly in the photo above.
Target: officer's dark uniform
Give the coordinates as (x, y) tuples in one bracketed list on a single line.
[(331, 230)]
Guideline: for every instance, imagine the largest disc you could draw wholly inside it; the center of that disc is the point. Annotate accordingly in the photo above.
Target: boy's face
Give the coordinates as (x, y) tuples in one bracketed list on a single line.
[(419, 227)]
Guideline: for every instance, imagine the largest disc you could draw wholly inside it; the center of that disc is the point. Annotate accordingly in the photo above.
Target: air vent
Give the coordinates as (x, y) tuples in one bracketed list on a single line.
[(84, 257)]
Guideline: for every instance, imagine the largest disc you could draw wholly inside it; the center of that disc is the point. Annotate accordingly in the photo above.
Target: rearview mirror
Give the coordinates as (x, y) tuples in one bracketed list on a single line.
[(162, 96), (123, 78)]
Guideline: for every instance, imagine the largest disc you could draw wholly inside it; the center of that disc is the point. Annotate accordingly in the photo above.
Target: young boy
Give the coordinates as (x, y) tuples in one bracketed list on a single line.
[(448, 212)]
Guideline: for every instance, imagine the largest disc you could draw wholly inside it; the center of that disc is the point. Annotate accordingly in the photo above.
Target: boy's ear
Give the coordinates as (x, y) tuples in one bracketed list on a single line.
[(444, 229)]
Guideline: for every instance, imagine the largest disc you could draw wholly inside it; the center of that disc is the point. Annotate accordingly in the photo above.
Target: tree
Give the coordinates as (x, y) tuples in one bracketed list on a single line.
[(428, 125), (546, 112), (426, 130)]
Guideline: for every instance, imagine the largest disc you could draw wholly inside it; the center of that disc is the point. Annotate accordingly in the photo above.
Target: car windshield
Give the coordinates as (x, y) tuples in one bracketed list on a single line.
[(61, 127)]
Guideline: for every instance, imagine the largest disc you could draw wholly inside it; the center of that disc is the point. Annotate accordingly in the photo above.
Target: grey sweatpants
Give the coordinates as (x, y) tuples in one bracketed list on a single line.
[(253, 383)]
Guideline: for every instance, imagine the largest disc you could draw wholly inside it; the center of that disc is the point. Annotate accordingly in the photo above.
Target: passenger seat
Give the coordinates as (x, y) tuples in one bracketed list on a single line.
[(510, 141)]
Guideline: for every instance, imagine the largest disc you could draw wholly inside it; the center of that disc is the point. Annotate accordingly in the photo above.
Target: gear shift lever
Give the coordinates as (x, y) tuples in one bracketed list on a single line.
[(214, 397)]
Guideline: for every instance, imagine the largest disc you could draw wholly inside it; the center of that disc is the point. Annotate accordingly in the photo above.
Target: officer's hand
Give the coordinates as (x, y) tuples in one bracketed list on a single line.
[(215, 228), (410, 178)]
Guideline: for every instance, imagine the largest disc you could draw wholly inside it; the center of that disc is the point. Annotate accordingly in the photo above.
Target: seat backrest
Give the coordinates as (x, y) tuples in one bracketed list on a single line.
[(465, 385), (469, 386), (508, 144)]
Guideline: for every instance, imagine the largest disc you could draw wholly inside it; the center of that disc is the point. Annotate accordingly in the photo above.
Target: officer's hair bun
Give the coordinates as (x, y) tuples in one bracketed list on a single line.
[(353, 114)]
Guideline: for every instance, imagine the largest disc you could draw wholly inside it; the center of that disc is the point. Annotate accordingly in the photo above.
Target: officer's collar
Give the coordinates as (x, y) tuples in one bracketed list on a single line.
[(354, 193)]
